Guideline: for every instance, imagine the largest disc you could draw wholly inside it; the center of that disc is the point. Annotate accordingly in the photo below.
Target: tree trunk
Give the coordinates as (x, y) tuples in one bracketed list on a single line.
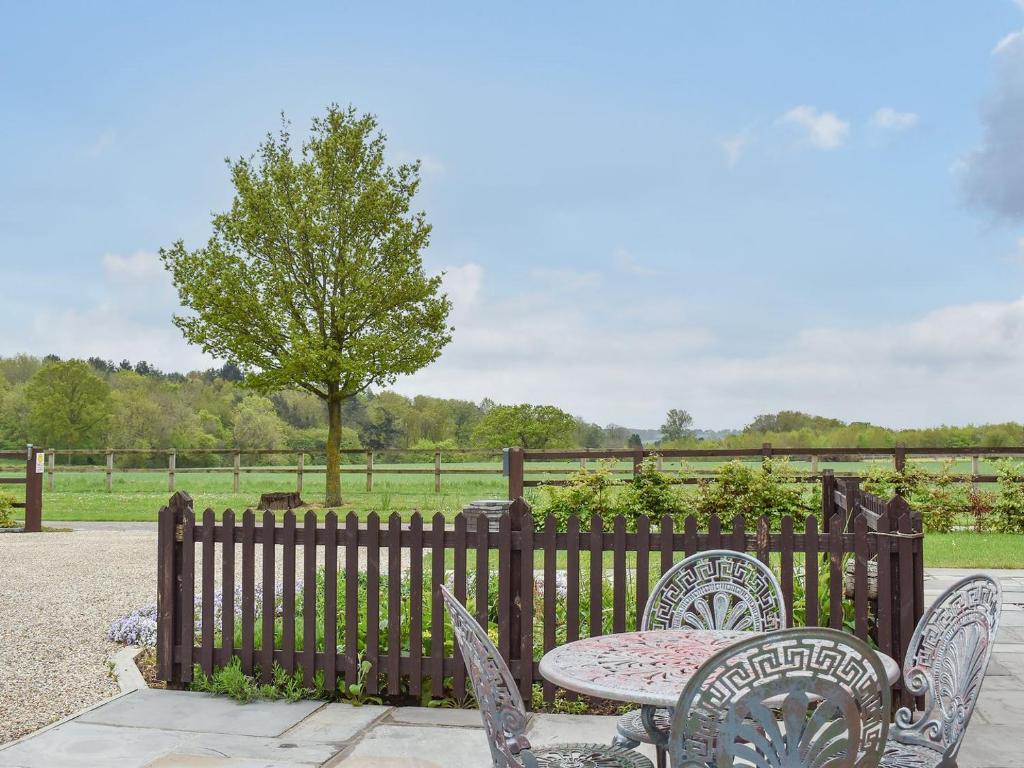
[(333, 498)]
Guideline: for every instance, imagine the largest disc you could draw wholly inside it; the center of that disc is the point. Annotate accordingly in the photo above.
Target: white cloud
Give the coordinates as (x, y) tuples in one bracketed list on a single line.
[(632, 364), (628, 263), (824, 130), (890, 119), (102, 143), (992, 174), (734, 146), (1018, 254), (1008, 42), (128, 316)]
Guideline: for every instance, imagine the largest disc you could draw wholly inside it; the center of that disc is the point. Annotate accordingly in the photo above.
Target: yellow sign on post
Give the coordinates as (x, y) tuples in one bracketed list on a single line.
[(40, 463)]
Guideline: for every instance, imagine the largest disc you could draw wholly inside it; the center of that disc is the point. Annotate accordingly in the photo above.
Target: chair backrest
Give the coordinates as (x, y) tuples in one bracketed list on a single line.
[(829, 688), (946, 662), (501, 706), (717, 589)]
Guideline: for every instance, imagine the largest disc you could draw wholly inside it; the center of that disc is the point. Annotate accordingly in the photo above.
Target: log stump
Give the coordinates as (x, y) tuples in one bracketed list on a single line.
[(281, 500)]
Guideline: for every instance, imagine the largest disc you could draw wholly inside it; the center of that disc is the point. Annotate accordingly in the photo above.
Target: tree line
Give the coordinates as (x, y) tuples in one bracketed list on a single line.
[(96, 403)]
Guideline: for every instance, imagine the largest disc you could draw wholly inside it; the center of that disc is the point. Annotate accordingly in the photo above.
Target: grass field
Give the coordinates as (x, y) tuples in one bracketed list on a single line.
[(138, 496)]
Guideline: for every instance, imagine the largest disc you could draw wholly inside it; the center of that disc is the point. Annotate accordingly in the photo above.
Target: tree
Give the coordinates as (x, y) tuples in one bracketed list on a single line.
[(634, 442), (314, 278), (69, 405), (678, 425), (527, 426), (256, 424)]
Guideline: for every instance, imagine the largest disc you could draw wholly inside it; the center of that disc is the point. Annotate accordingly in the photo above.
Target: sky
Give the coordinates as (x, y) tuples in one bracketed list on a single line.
[(732, 208)]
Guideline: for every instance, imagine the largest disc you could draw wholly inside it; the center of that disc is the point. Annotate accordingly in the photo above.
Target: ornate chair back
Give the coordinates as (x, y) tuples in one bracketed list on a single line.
[(829, 689), (501, 706), (717, 589), (946, 662)]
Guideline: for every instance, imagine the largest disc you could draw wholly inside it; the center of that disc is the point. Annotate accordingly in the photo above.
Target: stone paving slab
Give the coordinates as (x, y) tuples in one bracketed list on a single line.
[(200, 713), (410, 746), (336, 723)]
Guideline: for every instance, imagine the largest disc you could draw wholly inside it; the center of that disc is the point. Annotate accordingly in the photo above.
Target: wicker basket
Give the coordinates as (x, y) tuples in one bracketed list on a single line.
[(872, 574)]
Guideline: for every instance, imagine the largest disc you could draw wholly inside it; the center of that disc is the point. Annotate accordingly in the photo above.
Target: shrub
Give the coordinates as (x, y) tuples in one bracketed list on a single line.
[(942, 503), (7, 502), (888, 482), (650, 493), (741, 489), (1008, 510), (586, 493)]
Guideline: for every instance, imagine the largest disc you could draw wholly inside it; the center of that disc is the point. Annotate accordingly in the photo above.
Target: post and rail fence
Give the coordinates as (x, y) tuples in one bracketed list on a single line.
[(523, 468), (30, 461), (328, 597)]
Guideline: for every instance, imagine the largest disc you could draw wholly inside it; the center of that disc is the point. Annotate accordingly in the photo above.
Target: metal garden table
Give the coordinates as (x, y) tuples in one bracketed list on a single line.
[(648, 668)]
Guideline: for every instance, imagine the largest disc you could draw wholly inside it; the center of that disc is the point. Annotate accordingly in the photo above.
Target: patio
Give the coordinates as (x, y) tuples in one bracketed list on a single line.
[(171, 728)]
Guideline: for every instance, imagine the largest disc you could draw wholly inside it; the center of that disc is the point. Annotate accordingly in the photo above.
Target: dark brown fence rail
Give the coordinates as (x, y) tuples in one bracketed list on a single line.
[(520, 464), (32, 480), (369, 592)]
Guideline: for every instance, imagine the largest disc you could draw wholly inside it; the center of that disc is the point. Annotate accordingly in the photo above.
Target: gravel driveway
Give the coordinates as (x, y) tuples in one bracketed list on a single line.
[(58, 594)]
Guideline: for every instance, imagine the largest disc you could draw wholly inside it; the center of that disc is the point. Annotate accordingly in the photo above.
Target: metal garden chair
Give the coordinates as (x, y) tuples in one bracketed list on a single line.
[(504, 715), (946, 662), (809, 697), (717, 589)]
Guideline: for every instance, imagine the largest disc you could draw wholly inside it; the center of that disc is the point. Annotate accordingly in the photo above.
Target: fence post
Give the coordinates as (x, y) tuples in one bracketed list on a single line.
[(236, 472), (110, 470), (852, 502), (814, 464), (169, 557), (51, 467), (638, 460), (514, 471), (828, 495), (369, 470), (437, 471), (33, 489), (300, 468), (899, 457), (172, 465), (516, 512)]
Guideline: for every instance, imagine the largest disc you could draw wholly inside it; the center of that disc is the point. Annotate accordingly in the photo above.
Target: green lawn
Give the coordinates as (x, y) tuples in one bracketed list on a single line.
[(138, 497)]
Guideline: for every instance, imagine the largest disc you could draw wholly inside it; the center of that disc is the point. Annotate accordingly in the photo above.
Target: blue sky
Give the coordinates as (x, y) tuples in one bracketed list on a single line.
[(727, 207)]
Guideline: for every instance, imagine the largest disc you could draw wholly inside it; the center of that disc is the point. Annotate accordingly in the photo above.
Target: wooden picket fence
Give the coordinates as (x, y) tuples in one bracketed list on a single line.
[(393, 617)]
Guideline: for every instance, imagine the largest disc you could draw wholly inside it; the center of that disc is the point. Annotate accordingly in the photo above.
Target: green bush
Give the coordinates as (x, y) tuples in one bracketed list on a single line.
[(1008, 510), (767, 490), (7, 502), (942, 502), (887, 482), (586, 493)]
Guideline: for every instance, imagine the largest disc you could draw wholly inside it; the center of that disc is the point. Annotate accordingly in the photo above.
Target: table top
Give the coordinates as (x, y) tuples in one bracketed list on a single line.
[(644, 667)]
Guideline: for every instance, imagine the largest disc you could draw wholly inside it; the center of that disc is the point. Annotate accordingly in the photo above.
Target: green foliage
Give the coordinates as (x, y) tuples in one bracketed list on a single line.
[(678, 425), (355, 693), (888, 482), (586, 493), (942, 502), (649, 492), (256, 424), (7, 502), (231, 681), (1008, 510), (314, 279), (562, 704), (741, 489), (527, 426), (68, 402), (823, 597)]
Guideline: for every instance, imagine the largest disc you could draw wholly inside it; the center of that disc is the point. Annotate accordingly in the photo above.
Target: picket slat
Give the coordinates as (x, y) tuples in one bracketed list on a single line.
[(309, 598), (550, 588), (227, 614), (206, 609), (373, 601), (416, 605), (459, 588), (288, 616), (572, 579), (331, 601), (269, 600), (248, 589), (811, 571), (352, 607), (394, 653), (437, 616)]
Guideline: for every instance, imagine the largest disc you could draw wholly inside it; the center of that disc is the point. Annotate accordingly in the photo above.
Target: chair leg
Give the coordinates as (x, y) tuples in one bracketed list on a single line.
[(661, 755)]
